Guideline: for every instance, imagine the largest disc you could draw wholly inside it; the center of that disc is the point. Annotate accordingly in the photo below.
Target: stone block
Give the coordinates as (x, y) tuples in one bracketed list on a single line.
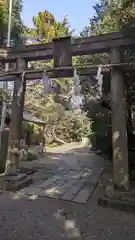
[(14, 183), (84, 194), (72, 192)]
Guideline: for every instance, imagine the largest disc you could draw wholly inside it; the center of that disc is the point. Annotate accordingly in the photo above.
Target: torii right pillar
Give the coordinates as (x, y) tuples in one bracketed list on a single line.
[(119, 125)]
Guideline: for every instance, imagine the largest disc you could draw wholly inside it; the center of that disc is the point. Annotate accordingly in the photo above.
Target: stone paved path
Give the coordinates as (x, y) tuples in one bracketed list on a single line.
[(74, 179), (44, 218)]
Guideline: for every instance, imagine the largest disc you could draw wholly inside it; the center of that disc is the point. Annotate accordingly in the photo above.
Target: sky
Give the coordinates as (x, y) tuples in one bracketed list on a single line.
[(78, 11)]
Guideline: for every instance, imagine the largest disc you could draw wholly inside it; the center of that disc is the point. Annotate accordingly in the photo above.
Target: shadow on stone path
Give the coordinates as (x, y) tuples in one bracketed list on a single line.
[(74, 178), (47, 218)]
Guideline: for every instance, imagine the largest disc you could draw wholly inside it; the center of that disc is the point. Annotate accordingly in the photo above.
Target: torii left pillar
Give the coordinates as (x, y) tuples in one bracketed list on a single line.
[(16, 121)]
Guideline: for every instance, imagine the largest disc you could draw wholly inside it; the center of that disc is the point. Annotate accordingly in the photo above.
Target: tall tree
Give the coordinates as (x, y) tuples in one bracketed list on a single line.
[(16, 24), (47, 27), (115, 15), (2, 21)]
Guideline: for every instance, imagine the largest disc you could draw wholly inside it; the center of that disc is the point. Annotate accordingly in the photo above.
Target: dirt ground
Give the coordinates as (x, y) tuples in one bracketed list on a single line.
[(46, 218)]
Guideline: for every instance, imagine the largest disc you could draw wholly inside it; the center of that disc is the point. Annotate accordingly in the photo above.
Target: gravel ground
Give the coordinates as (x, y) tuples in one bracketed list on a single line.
[(45, 218)]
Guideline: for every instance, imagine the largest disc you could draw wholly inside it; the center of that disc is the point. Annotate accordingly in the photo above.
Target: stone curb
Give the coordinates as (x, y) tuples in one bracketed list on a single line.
[(117, 204)]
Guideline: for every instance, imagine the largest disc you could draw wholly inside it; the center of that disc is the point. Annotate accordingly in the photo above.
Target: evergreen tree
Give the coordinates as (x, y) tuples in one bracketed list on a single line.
[(16, 23)]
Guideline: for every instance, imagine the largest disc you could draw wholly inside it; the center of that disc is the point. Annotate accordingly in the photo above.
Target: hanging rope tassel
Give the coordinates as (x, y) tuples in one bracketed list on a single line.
[(76, 89), (76, 80), (99, 77), (47, 83)]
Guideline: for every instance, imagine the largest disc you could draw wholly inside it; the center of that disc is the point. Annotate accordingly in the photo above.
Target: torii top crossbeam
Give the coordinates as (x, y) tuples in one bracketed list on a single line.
[(79, 46)]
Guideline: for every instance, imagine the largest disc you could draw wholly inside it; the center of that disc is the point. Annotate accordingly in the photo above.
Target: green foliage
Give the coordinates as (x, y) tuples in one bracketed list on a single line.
[(52, 144), (16, 24), (110, 16), (73, 126), (28, 127), (46, 27), (31, 156)]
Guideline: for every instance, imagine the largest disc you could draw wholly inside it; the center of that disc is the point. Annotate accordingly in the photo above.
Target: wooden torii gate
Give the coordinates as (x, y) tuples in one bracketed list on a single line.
[(62, 50)]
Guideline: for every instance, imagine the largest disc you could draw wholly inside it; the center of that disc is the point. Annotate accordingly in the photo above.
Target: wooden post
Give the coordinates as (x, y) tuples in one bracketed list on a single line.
[(16, 121), (21, 65), (62, 52), (1, 103), (119, 126), (62, 56), (129, 104)]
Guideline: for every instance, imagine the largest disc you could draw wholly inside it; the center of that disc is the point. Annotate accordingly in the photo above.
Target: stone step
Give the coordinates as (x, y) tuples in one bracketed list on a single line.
[(24, 183), (15, 183), (117, 204), (28, 171), (13, 178)]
